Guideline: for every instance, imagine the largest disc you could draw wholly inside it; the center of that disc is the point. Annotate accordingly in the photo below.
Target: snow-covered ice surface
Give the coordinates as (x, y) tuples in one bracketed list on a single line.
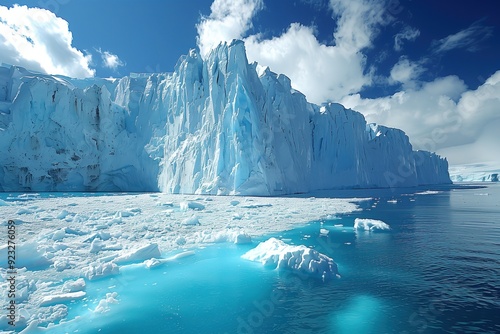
[(65, 241), (478, 172), (213, 126)]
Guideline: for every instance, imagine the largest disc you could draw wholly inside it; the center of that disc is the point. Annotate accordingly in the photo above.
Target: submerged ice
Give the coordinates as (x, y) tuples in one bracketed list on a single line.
[(213, 126)]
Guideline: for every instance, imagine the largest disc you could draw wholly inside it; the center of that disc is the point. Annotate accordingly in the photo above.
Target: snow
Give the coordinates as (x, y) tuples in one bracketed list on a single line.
[(94, 241), (214, 126), (276, 254), (370, 225), (478, 172)]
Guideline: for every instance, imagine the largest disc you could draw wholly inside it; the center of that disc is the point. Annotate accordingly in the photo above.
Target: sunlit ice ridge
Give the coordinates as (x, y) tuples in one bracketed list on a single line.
[(214, 126)]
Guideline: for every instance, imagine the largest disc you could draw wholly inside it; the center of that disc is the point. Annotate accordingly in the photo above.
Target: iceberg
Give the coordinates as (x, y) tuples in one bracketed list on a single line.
[(214, 126), (370, 225), (276, 254)]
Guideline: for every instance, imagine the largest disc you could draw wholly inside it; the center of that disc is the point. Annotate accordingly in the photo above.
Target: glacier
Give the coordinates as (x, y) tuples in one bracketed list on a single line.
[(476, 172), (213, 126)]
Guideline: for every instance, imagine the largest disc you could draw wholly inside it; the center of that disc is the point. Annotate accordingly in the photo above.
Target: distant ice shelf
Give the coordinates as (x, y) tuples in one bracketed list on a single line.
[(479, 172), (213, 126)]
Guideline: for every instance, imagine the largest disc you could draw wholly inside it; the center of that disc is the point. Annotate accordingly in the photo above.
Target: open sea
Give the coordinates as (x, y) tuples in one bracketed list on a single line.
[(436, 271)]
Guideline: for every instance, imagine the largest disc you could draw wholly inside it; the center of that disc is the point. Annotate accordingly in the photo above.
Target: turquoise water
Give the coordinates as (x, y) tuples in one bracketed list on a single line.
[(436, 271)]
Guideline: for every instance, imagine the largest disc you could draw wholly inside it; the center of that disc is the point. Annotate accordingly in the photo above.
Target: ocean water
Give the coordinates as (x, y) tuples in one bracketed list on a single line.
[(436, 271)]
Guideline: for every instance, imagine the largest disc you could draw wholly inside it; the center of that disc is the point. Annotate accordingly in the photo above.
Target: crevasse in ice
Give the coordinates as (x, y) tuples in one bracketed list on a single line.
[(214, 126)]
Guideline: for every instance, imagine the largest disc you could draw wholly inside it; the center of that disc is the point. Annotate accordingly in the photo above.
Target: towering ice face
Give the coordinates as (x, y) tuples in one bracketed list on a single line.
[(218, 126)]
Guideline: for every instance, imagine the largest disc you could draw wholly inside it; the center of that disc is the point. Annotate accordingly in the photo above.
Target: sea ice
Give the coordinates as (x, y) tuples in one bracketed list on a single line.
[(58, 260)]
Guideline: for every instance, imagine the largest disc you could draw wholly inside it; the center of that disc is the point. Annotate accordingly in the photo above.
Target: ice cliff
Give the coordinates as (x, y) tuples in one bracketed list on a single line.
[(215, 126)]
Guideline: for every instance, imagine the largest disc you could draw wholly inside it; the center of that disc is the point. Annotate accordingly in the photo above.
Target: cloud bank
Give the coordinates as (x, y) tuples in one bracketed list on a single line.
[(319, 71), (37, 39)]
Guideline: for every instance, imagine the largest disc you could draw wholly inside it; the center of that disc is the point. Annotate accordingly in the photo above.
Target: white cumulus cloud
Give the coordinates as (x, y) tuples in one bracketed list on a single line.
[(406, 72), (322, 72), (229, 19), (110, 60), (39, 40), (442, 115)]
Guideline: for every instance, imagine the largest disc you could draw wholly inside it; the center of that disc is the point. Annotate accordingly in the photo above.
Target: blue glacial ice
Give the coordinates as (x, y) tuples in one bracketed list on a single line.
[(214, 126)]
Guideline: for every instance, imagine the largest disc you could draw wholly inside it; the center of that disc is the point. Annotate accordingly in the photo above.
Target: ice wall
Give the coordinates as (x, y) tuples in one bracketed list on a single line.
[(218, 126)]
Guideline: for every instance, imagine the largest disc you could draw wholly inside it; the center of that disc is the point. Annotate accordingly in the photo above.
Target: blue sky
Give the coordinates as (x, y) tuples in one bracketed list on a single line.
[(427, 67)]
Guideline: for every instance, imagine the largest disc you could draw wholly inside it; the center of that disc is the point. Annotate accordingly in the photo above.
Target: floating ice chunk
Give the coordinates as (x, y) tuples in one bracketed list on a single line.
[(3, 203), (63, 214), (45, 318), (152, 263), (59, 234), (166, 204), (275, 253), (243, 238), (184, 206), (256, 205), (235, 236), (74, 231), (99, 270), (127, 213), (61, 264), (393, 201), (61, 298), (139, 254), (74, 286), (234, 203), (99, 235), (323, 231), (104, 304), (370, 225), (96, 246), (428, 192), (180, 241), (104, 235), (28, 255), (193, 220)]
